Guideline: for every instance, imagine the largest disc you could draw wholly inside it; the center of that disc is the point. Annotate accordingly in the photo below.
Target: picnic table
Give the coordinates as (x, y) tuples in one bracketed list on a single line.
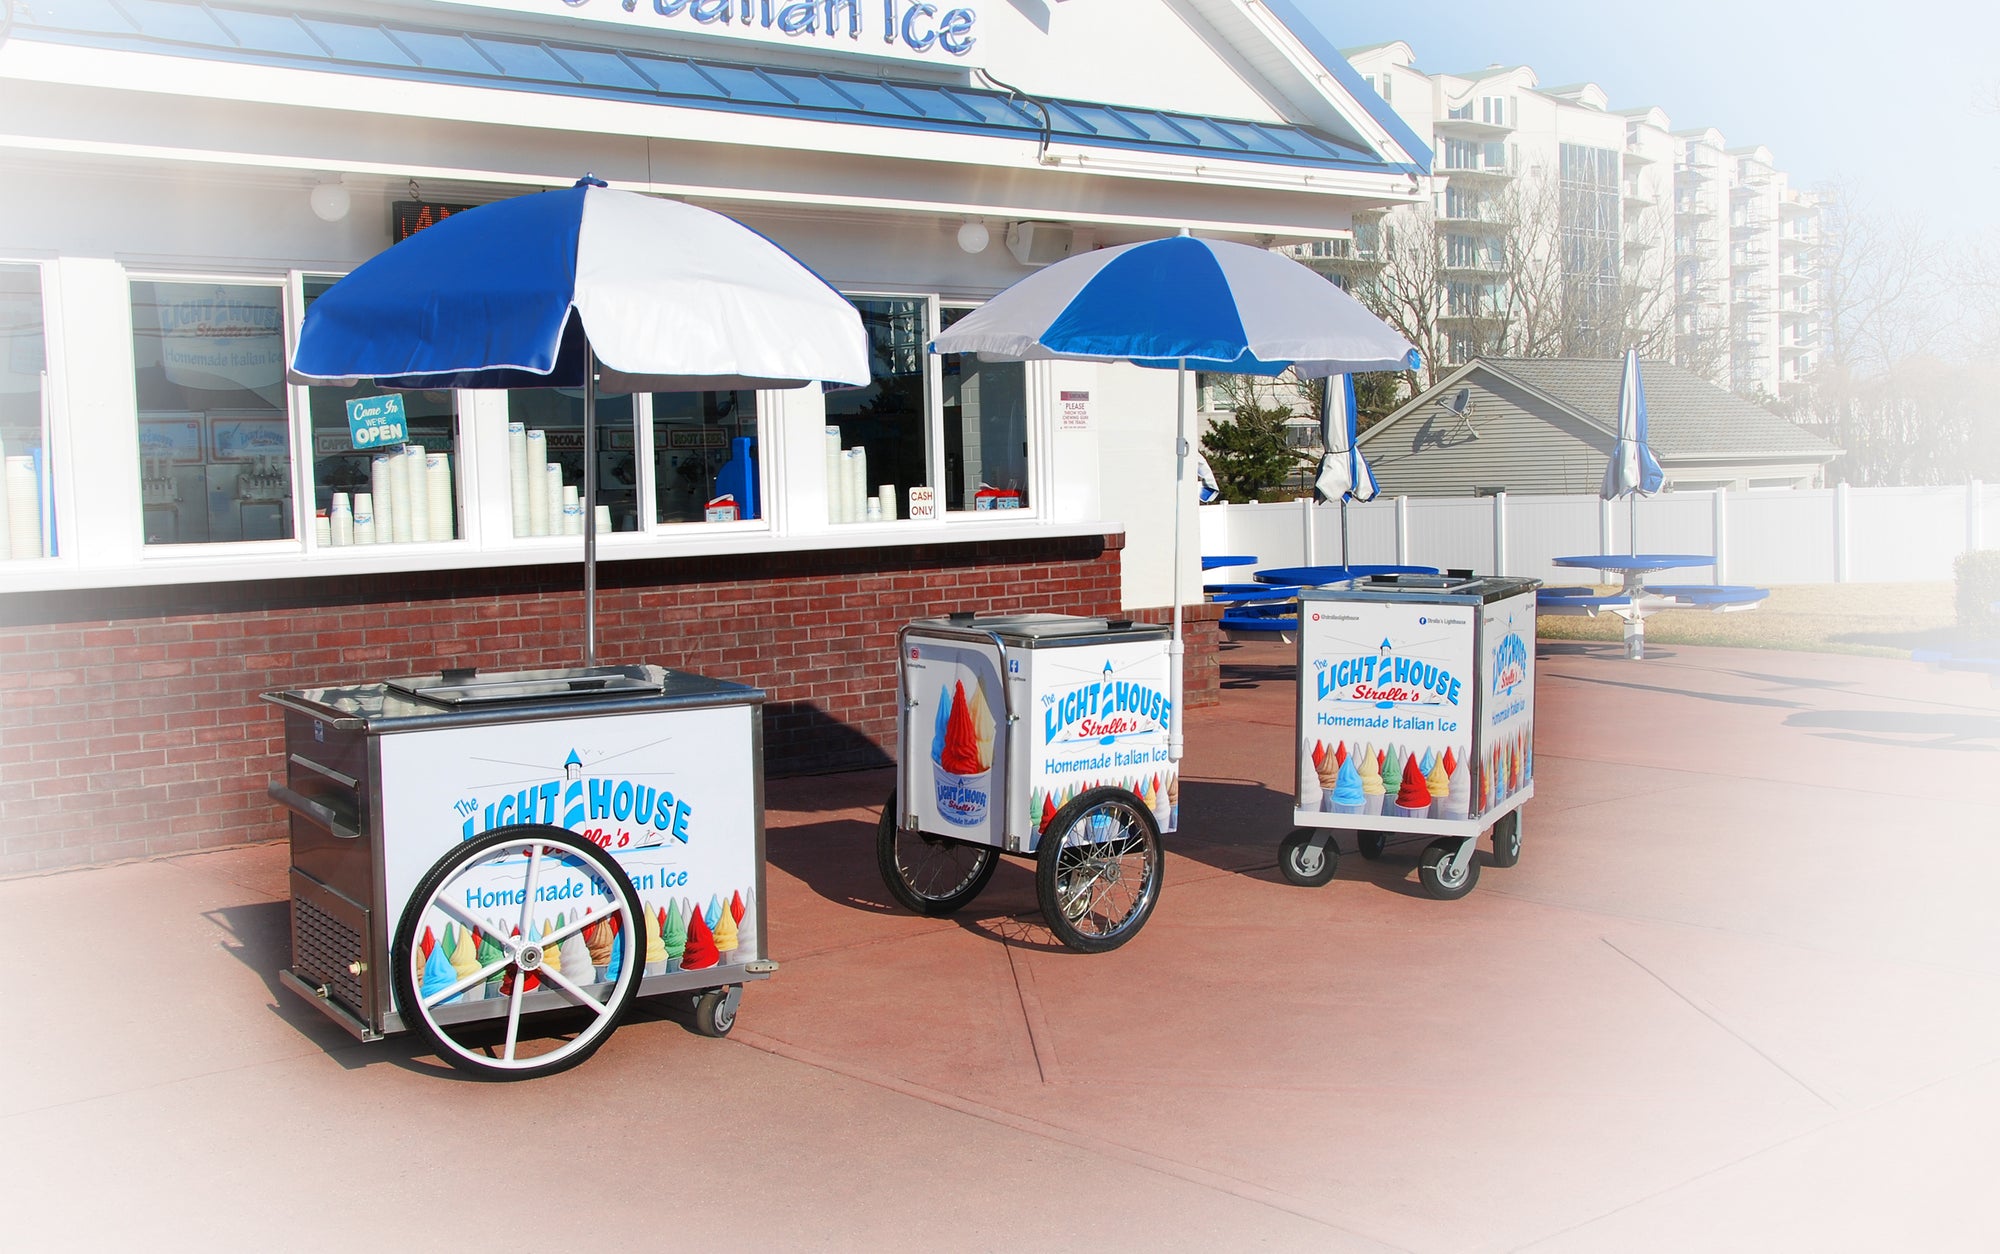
[(1320, 576), (1635, 599)]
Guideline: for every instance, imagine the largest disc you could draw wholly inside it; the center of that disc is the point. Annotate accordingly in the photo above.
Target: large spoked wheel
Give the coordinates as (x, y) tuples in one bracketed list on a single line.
[(1372, 845), (931, 875), (1097, 872), (1436, 874), (1507, 839), (541, 924), (1307, 858)]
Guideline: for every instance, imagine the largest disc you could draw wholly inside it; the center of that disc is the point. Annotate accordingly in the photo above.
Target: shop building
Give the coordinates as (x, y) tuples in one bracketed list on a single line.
[(184, 179)]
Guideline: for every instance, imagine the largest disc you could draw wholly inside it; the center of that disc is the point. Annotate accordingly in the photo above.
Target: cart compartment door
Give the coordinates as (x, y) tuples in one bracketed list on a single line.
[(954, 760)]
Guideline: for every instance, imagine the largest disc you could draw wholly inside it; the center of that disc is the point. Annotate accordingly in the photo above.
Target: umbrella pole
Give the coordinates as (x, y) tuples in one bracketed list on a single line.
[(1632, 525), (589, 506), (1343, 531), (1175, 648)]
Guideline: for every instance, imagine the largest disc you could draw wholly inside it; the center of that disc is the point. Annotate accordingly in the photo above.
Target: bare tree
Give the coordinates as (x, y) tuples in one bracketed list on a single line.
[(1884, 289), (1397, 272)]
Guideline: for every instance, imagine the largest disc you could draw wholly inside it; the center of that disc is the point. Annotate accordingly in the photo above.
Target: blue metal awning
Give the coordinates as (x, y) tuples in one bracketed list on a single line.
[(354, 45)]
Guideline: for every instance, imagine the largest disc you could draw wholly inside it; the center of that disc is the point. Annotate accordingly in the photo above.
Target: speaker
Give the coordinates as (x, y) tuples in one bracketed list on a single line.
[(1039, 243)]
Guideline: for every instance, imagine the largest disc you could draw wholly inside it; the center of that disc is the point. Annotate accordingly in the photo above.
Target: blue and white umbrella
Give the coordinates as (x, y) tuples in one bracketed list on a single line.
[(1182, 303), (1632, 468), (588, 288), (1343, 471)]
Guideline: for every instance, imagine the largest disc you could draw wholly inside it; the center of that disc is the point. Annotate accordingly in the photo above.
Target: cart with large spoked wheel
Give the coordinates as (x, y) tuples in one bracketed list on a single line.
[(1416, 724), (1040, 735), (503, 862)]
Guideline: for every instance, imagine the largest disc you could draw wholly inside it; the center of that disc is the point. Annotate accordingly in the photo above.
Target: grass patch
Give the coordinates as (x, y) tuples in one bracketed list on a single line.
[(1878, 619)]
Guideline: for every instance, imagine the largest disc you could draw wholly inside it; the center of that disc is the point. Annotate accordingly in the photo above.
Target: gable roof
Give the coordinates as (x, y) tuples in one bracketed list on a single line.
[(1687, 417), (411, 50)]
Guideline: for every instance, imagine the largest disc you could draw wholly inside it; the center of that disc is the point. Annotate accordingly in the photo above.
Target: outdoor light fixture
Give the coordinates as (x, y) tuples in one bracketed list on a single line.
[(973, 235), (330, 200)]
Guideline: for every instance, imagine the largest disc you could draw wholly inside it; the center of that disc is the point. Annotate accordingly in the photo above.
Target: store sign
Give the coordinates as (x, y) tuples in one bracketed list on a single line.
[(1075, 412), (923, 503), (376, 421), (221, 338), (906, 30)]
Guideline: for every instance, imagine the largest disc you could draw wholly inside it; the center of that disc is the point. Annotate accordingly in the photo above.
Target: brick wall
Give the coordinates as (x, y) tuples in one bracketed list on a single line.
[(130, 724)]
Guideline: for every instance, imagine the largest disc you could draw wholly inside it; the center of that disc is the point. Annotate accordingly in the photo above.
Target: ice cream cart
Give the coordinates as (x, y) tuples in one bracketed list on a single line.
[(503, 861), (1416, 718), (1043, 735)]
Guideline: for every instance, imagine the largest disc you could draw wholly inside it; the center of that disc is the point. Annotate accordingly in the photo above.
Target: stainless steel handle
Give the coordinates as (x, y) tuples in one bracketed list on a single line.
[(313, 811)]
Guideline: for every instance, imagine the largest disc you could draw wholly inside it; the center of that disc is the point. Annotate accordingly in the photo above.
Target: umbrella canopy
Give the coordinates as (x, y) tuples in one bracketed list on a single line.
[(1632, 468), (1183, 302), (521, 292), (1343, 471)]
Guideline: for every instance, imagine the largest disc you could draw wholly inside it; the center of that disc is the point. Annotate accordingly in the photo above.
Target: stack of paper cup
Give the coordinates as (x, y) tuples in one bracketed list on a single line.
[(24, 508), (517, 474), (437, 493), (603, 519), (857, 487), (6, 523), (834, 467), (572, 511), (420, 497), (534, 483), (380, 475), (399, 498), (364, 518), (887, 495), (340, 521), (323, 529), (552, 478)]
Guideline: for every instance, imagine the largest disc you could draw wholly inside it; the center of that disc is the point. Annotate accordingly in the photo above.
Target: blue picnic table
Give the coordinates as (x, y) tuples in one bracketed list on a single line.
[(1636, 599)]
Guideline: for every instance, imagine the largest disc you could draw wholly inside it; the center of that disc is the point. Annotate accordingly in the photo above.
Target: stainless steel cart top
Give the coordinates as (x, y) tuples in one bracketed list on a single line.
[(1030, 631), (469, 695), (1455, 589)]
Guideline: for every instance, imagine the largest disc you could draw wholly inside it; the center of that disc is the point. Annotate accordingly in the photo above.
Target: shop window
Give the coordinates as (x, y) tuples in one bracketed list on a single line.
[(878, 436), (985, 430), (545, 447), (215, 440), (705, 450), (387, 495), (26, 522)]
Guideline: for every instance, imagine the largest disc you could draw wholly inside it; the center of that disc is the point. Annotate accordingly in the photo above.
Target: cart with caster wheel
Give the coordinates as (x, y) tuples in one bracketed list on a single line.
[(1415, 724), (1042, 735), (503, 862)]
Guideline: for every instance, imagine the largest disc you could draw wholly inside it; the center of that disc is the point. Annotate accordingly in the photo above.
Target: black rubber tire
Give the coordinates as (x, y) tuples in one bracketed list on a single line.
[(1372, 845), (1507, 839), (403, 971), (891, 841), (710, 1019), (1304, 865), (1055, 870), (1433, 876)]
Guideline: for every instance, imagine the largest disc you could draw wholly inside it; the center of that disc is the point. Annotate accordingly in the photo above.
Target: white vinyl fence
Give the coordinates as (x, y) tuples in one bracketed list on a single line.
[(1761, 536)]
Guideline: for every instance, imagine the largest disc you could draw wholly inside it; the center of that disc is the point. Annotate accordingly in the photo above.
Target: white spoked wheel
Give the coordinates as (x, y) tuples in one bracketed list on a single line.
[(540, 922), (1097, 871)]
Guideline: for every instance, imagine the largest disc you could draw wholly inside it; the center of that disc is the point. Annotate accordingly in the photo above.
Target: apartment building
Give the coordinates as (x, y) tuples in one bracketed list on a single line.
[(1568, 228)]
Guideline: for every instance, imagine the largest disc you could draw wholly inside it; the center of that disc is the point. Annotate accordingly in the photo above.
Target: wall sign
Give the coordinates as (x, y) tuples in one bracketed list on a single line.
[(906, 30), (1075, 412), (923, 503), (407, 217), (376, 421)]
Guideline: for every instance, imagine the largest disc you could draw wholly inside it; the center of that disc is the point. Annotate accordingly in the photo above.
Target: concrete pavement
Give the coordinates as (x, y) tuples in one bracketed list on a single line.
[(1739, 994)]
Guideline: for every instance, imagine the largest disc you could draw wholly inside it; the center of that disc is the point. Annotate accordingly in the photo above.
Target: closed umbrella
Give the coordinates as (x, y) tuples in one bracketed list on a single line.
[(584, 287), (1632, 471), (1178, 303), (1343, 471)]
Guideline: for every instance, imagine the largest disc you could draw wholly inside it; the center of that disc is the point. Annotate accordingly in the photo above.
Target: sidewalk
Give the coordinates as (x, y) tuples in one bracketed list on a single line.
[(1739, 994)]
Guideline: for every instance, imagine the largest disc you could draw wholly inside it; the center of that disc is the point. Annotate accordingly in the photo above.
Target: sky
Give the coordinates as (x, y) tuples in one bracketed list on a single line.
[(1899, 101)]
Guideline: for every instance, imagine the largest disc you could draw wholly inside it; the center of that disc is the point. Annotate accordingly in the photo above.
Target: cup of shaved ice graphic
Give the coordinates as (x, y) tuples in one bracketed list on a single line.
[(961, 761)]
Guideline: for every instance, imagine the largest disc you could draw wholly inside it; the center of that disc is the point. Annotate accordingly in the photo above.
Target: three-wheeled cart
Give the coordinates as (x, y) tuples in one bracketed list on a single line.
[(503, 861), (1044, 735), (1416, 718)]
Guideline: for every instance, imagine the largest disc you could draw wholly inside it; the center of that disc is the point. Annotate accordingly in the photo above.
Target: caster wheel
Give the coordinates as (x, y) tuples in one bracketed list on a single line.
[(1507, 839), (1372, 845), (1307, 858), (1097, 871), (1436, 874), (511, 1001), (713, 1013), (931, 875)]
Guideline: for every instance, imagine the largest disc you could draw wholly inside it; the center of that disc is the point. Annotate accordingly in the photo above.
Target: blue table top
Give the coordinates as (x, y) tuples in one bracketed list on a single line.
[(1210, 562), (1315, 576), (1639, 562)]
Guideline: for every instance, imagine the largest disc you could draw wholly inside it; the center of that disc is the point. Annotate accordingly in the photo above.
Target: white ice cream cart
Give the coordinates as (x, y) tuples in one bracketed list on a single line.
[(471, 850), (1044, 735), (1416, 719)]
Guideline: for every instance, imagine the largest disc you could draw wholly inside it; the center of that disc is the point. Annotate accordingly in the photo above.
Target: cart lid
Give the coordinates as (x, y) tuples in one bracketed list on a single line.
[(579, 683)]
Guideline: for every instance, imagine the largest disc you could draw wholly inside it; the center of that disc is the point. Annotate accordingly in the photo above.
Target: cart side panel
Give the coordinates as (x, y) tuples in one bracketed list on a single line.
[(1388, 682), (1504, 755), (954, 749), (1100, 714), (673, 796)]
